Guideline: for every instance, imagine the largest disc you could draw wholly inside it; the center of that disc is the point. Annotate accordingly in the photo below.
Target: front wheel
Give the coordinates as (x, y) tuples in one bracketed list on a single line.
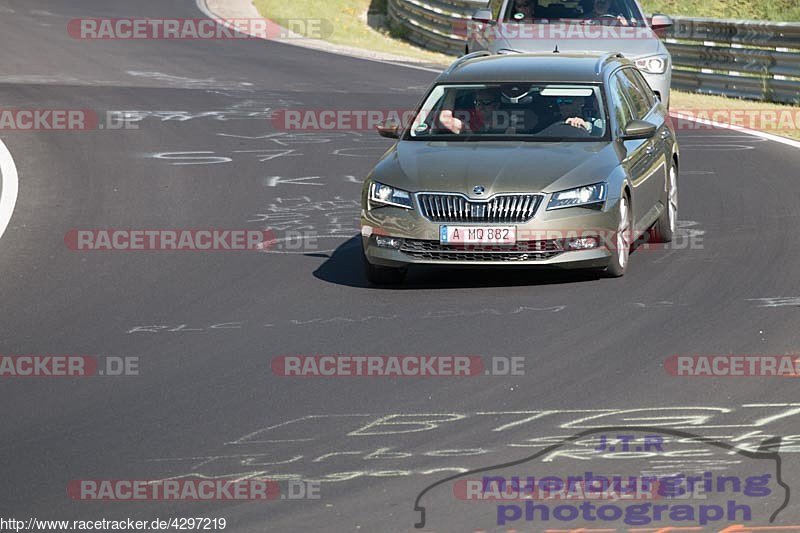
[(664, 228), (622, 241)]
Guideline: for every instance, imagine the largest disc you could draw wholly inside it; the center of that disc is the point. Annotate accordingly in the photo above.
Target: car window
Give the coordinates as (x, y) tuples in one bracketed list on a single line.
[(643, 85), (640, 104), (618, 103), (495, 6), (606, 12), (524, 111)]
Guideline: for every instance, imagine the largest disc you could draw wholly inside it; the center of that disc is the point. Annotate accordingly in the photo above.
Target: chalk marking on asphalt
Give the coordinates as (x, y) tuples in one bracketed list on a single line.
[(187, 83), (9, 188), (390, 428), (779, 301)]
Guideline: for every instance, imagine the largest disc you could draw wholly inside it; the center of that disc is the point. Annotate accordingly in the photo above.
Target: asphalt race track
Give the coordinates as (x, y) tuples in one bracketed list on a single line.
[(206, 326)]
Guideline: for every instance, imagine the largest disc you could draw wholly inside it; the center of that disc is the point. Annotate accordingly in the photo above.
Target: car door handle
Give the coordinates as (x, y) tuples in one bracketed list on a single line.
[(650, 150), (665, 134)]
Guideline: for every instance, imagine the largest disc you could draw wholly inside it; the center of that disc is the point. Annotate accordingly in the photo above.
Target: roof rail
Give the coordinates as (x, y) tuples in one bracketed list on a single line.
[(605, 57), (467, 57)]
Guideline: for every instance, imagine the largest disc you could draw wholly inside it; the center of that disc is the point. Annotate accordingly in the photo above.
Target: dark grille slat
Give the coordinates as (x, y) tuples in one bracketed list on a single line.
[(521, 251), (505, 209)]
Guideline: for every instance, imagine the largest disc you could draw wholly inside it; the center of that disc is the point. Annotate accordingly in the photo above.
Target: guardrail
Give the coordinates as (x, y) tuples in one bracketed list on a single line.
[(739, 58)]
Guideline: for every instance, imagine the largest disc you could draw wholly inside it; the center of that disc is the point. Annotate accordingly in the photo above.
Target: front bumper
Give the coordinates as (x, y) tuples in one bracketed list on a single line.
[(539, 241)]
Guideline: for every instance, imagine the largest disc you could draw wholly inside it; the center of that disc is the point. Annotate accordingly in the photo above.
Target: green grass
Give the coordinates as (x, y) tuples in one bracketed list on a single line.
[(776, 10), (345, 23)]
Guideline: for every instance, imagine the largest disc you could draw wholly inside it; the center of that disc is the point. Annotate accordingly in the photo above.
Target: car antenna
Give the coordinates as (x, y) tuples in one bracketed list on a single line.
[(556, 50)]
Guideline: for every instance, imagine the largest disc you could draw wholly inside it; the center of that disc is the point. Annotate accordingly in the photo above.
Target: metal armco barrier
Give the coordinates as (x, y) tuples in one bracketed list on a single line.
[(739, 58)]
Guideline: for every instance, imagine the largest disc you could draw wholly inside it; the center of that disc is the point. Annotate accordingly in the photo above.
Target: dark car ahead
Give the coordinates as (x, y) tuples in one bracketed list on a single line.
[(537, 160)]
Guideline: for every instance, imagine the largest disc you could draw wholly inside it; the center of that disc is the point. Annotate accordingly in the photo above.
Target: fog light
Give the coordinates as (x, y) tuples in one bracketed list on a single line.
[(582, 243), (388, 242)]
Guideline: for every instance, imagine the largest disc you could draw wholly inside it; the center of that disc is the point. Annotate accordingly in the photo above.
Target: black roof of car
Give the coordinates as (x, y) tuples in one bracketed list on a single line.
[(551, 67)]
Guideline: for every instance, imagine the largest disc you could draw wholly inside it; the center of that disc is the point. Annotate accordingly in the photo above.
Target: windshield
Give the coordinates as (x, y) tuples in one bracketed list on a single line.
[(610, 12), (511, 111)]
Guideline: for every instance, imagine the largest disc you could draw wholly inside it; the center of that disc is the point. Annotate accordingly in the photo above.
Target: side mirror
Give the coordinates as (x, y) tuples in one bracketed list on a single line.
[(389, 128), (660, 22), (638, 129), (483, 16)]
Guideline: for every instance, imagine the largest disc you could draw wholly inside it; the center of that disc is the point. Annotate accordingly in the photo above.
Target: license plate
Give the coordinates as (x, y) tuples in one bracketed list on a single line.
[(477, 234)]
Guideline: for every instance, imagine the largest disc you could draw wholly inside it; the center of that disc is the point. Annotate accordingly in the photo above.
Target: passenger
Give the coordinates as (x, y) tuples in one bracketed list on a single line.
[(483, 118)]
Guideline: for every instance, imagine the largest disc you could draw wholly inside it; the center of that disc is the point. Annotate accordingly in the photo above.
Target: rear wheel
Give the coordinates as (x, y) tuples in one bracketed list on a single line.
[(381, 275), (622, 241), (664, 228)]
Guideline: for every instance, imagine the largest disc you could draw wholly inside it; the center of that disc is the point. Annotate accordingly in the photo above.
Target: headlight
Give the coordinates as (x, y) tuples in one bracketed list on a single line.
[(385, 195), (590, 194), (653, 64)]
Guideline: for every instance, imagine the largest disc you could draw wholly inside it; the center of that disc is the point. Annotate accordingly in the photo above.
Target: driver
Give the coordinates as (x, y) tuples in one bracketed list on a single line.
[(601, 9), (573, 114)]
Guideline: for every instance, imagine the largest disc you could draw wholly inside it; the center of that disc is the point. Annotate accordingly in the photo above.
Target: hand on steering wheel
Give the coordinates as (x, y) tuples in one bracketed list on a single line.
[(619, 18)]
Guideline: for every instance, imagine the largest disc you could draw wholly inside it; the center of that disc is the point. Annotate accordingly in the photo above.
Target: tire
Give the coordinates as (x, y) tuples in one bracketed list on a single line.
[(622, 248), (664, 228), (381, 275)]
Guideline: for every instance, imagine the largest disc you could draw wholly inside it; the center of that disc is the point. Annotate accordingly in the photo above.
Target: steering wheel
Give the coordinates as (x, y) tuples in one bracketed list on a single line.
[(562, 129)]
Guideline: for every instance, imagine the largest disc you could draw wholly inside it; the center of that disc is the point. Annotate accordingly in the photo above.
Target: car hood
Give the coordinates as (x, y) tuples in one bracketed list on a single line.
[(513, 166), (642, 41)]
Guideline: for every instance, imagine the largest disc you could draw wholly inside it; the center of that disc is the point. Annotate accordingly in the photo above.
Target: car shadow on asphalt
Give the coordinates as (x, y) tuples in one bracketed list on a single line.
[(343, 267)]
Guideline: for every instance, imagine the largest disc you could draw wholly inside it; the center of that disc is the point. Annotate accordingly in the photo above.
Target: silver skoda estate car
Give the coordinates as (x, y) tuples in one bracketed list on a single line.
[(535, 160), (577, 26)]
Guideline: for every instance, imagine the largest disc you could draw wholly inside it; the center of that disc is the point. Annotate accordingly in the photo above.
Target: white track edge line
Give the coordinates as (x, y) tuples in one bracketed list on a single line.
[(10, 187)]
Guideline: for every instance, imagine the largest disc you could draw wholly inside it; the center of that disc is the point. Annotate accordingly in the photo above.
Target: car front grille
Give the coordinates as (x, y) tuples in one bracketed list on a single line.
[(506, 208), (521, 251)]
